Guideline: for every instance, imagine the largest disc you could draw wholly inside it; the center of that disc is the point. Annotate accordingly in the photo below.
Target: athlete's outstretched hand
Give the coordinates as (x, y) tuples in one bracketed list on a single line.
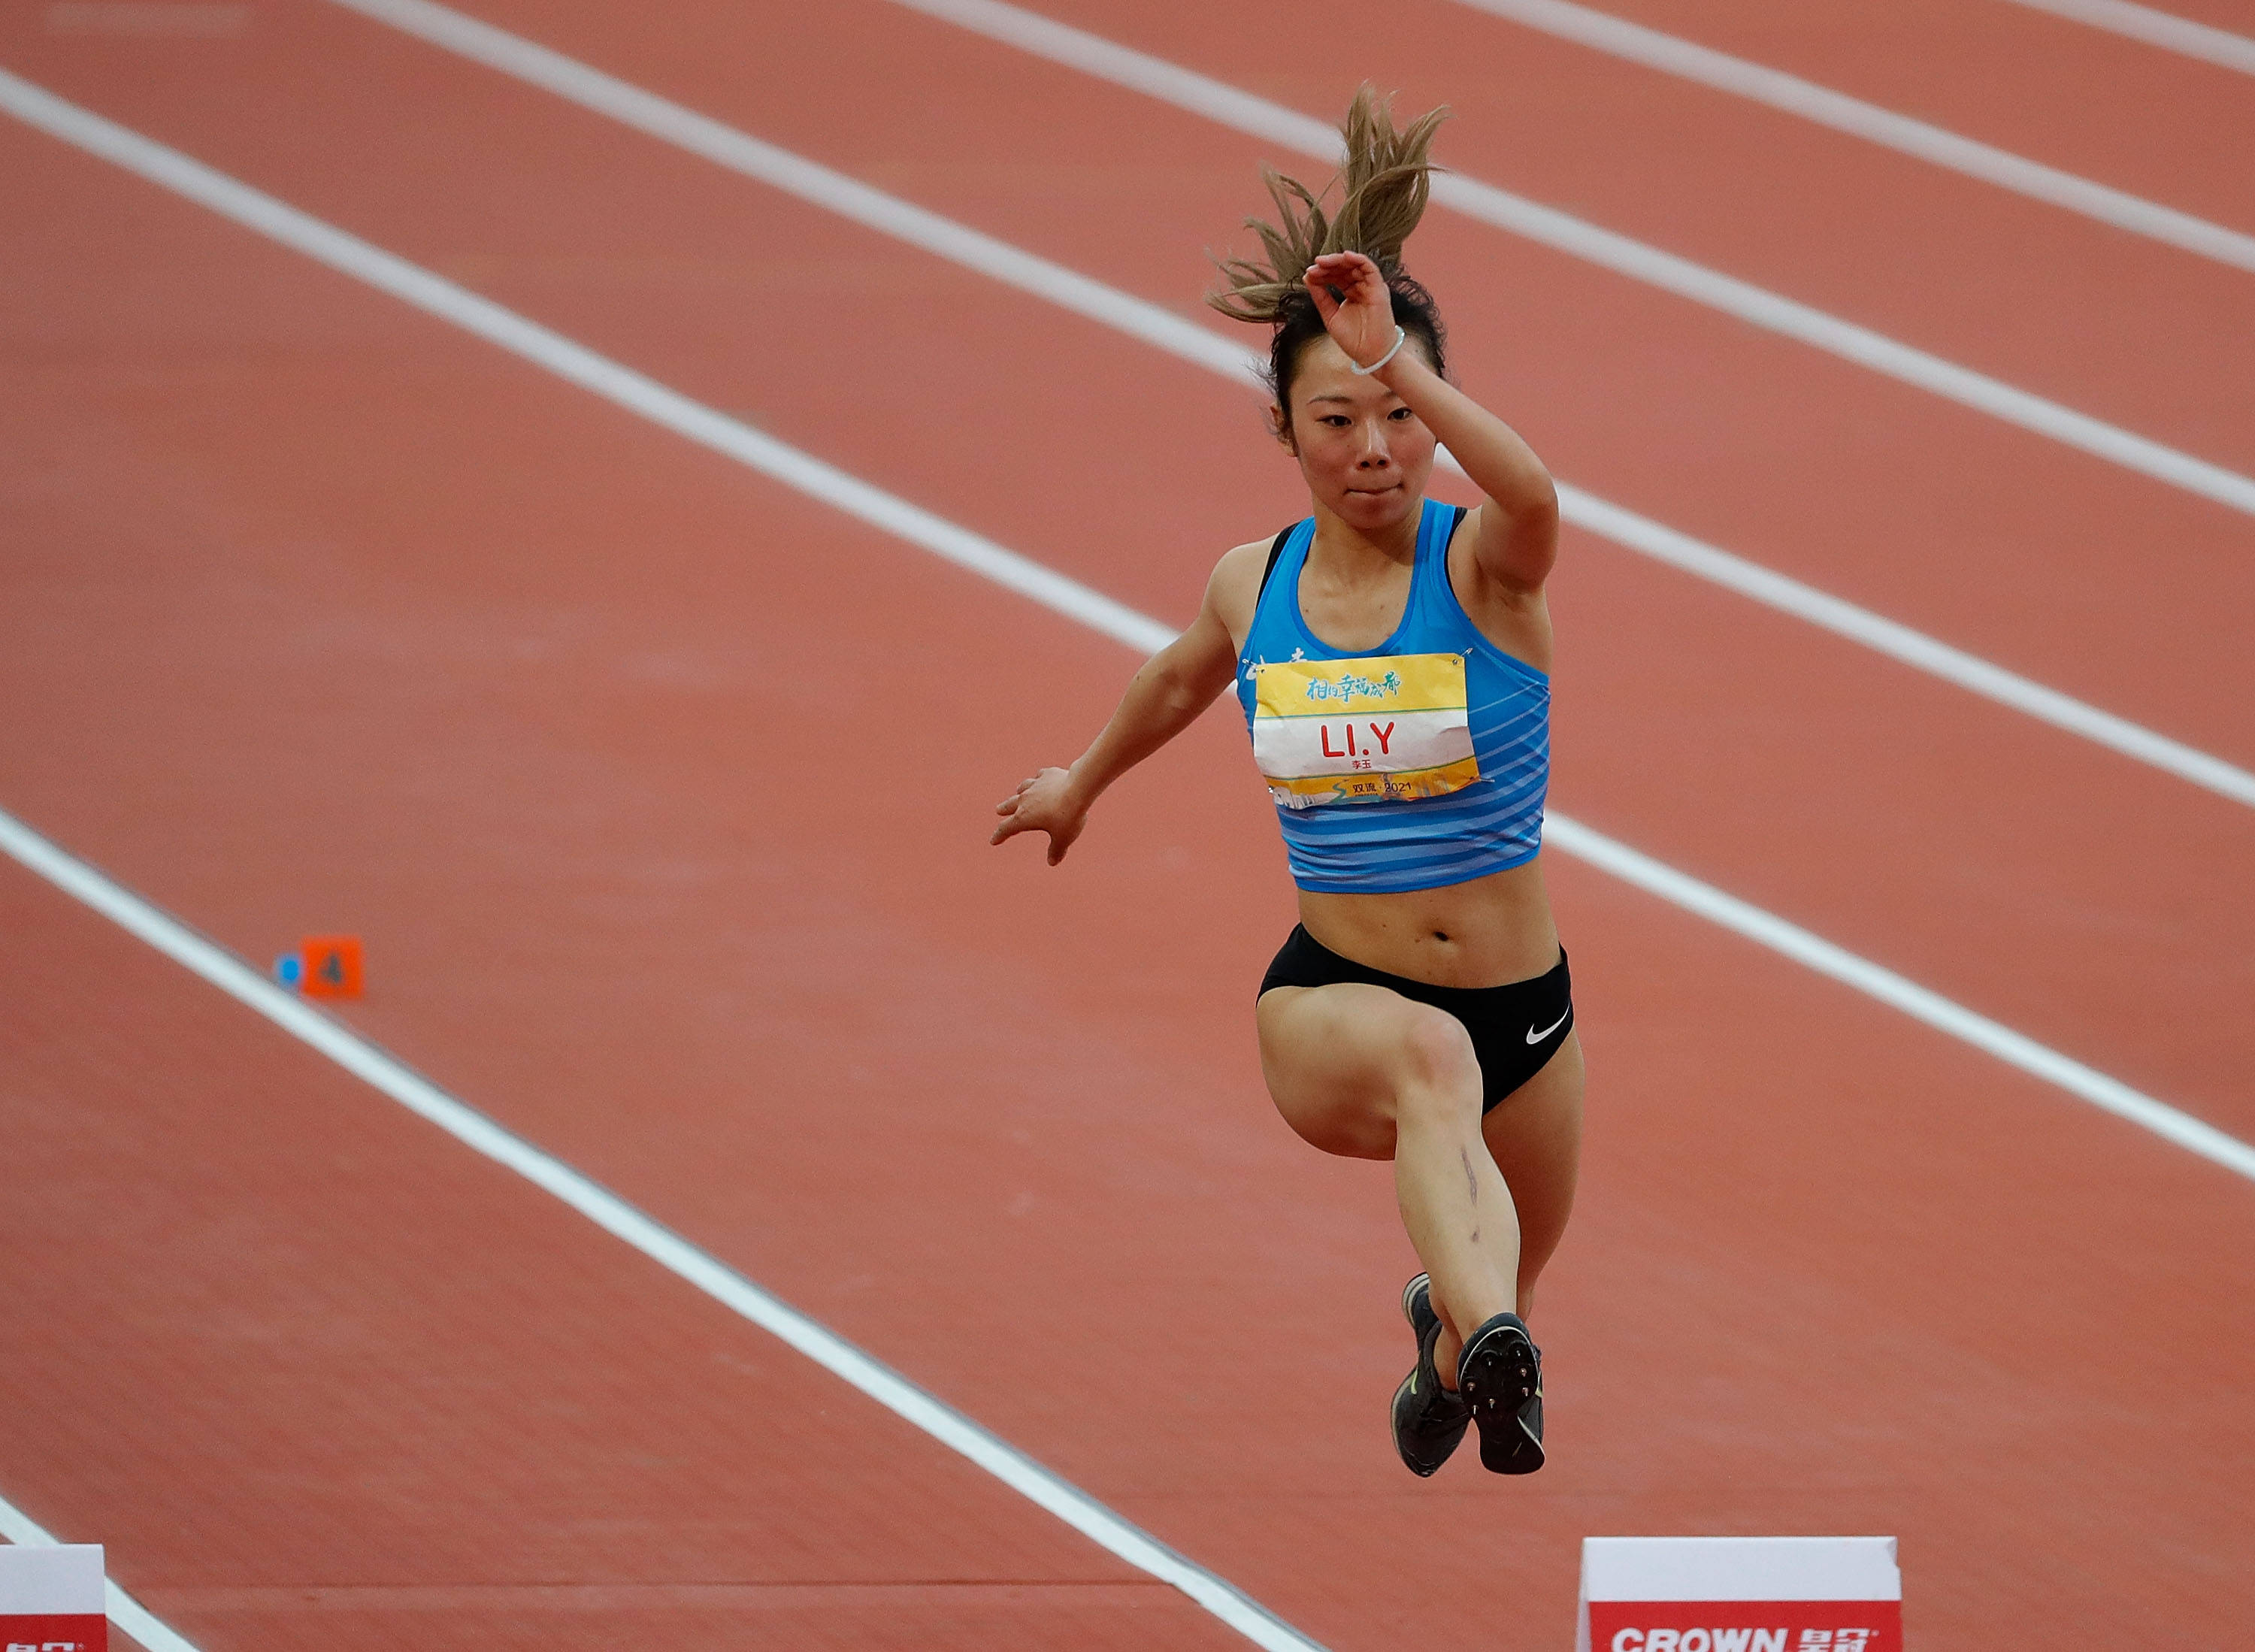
[(1361, 319), (1044, 802)]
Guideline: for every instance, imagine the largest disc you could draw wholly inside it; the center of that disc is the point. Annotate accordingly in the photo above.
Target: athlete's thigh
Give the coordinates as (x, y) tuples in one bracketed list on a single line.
[(1534, 1135), (1338, 1057)]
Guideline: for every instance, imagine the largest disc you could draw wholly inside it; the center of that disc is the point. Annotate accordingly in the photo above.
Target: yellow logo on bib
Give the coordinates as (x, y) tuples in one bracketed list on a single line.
[(1377, 730)]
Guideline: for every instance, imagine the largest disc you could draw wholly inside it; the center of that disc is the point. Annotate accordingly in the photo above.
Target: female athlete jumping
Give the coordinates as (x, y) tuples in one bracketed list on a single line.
[(1392, 657)]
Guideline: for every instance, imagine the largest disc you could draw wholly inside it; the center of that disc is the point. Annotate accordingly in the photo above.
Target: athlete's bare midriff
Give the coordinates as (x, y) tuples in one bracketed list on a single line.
[(1483, 933)]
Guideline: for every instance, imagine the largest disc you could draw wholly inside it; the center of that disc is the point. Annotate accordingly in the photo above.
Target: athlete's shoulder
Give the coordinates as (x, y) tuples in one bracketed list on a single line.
[(1234, 589), (1253, 554)]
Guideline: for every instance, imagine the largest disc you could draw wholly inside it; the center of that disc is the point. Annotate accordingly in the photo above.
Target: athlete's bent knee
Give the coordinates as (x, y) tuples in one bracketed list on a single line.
[(1437, 1074)]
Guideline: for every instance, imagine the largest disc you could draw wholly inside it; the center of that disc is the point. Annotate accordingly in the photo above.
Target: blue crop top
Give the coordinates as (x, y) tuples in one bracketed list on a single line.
[(1421, 763)]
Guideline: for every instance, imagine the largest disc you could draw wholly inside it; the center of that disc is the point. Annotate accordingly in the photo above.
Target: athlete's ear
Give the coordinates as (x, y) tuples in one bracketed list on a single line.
[(1280, 428)]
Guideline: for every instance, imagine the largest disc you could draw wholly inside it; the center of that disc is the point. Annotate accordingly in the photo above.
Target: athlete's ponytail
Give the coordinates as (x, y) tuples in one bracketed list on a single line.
[(1386, 179)]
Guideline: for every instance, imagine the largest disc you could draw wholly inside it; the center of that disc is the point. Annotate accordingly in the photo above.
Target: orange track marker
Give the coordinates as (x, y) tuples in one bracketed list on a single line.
[(332, 967)]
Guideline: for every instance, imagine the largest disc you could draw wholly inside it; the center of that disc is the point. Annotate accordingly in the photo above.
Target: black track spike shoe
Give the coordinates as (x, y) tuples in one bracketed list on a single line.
[(1500, 1374), (1428, 1420)]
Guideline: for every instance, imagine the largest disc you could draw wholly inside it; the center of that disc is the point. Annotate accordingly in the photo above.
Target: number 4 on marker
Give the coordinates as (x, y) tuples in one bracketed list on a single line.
[(333, 965)]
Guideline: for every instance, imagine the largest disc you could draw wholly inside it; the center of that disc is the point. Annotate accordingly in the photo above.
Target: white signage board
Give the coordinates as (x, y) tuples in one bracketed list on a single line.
[(1741, 1594), (52, 1599)]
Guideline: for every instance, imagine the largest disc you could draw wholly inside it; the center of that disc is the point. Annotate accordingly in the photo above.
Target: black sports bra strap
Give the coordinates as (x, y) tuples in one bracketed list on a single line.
[(1462, 512), (1275, 550)]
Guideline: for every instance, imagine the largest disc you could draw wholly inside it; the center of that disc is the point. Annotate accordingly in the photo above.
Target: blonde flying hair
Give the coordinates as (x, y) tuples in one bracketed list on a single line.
[(1384, 182)]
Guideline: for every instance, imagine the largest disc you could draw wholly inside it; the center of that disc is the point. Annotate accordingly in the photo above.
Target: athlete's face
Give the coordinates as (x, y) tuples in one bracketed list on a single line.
[(1365, 456)]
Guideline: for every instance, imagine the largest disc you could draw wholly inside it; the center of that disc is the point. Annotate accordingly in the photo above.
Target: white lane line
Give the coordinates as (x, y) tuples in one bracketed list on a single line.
[(350, 256), (639, 394), (2163, 28), (1875, 981), (738, 151), (1912, 647), (1216, 101), (1669, 54), (727, 146), (614, 1215), (129, 1614)]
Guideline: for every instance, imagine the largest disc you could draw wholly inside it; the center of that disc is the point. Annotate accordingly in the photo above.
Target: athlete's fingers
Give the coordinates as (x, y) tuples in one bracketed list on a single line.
[(1010, 805), (1349, 271)]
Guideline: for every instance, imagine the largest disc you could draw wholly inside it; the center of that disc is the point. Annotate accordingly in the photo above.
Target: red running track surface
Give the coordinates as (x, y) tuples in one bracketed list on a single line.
[(1690, 696), (658, 792)]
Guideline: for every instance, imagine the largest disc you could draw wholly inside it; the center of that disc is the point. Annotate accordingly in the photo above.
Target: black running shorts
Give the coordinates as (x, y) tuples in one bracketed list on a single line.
[(1515, 1027)]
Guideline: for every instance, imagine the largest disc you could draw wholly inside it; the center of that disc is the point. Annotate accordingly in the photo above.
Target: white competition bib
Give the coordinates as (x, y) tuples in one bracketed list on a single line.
[(1374, 730)]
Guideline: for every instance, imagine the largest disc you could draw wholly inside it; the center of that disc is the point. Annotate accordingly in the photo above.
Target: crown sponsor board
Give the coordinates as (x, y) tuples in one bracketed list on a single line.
[(1741, 1594), (50, 1599)]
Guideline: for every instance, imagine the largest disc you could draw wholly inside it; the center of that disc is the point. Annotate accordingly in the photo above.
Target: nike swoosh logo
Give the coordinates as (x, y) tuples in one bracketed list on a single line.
[(1537, 1037)]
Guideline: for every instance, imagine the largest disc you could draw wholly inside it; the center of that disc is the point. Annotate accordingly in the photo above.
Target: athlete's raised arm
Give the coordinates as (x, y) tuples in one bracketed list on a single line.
[(1517, 540), (1175, 685)]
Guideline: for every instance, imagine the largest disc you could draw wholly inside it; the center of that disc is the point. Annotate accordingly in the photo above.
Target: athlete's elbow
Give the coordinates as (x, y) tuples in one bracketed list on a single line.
[(1183, 695), (1533, 508), (1183, 680)]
